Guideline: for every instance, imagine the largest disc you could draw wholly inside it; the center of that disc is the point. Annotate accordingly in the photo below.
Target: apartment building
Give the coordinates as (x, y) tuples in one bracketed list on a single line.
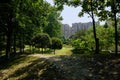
[(68, 31)]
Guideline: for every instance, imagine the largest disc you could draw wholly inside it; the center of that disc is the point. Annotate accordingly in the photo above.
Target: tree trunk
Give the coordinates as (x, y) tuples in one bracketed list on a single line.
[(9, 14), (8, 46), (96, 39), (116, 34), (42, 50), (23, 41), (14, 45), (97, 46), (9, 39), (54, 51), (94, 32), (23, 47), (30, 48), (20, 44), (114, 8)]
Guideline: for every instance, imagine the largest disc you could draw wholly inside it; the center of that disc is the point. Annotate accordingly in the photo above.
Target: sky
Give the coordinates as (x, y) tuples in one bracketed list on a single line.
[(70, 15)]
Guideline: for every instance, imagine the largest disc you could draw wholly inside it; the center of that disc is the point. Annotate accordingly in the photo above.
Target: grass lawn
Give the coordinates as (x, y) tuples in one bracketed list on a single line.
[(64, 51)]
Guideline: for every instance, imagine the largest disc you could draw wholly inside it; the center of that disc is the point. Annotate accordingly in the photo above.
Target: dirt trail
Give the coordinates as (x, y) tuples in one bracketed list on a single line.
[(85, 68)]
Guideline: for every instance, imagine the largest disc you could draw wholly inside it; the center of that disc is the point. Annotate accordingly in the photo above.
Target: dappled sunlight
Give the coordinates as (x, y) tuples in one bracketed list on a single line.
[(85, 67), (64, 51), (36, 45), (30, 67), (62, 67)]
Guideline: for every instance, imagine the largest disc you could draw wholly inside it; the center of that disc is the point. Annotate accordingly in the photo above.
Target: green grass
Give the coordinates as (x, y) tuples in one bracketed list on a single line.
[(9, 68), (64, 51)]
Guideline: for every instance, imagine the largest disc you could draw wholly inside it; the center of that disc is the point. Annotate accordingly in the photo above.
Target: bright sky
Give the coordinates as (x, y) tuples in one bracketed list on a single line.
[(70, 15)]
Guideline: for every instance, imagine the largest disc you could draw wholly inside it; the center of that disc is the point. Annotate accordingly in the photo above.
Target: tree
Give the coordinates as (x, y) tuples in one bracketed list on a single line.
[(35, 17), (105, 35), (6, 23), (84, 42), (54, 25), (56, 44), (89, 7), (79, 33), (112, 9), (31, 17), (42, 40), (20, 20), (2, 42), (115, 8)]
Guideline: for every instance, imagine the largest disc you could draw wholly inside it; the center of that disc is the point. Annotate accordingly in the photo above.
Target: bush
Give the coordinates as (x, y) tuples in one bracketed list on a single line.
[(80, 46), (56, 44), (42, 40)]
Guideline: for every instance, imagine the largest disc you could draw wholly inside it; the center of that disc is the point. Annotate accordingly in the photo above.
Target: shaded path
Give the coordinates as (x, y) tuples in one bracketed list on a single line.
[(29, 68), (86, 68)]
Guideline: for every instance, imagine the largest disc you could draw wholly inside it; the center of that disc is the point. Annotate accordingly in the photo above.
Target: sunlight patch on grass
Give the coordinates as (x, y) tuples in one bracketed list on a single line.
[(64, 51), (12, 67), (18, 78), (27, 68)]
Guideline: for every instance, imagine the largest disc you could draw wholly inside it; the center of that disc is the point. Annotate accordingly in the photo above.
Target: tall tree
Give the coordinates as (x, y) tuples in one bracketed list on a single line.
[(115, 9), (111, 11), (31, 17), (20, 20), (6, 21), (22, 16), (54, 25), (89, 7)]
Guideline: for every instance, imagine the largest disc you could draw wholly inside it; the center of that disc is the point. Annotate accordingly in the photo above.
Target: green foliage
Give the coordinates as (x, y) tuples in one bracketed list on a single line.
[(66, 41), (20, 20), (56, 44), (79, 44), (119, 34), (106, 25), (105, 35), (89, 7), (112, 13), (79, 33), (54, 25), (60, 4), (42, 40)]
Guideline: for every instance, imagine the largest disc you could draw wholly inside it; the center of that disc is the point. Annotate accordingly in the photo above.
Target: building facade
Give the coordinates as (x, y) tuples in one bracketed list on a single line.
[(68, 31), (81, 26)]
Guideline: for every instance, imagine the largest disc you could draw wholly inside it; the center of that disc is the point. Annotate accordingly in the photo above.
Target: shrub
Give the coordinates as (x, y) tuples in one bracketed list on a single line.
[(80, 46), (56, 44), (42, 40)]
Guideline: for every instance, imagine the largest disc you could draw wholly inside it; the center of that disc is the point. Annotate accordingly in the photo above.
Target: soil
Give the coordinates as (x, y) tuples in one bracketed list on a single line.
[(85, 68)]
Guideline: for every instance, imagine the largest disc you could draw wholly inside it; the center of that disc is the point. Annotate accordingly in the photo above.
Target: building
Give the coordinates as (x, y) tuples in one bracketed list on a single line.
[(66, 30), (81, 26)]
